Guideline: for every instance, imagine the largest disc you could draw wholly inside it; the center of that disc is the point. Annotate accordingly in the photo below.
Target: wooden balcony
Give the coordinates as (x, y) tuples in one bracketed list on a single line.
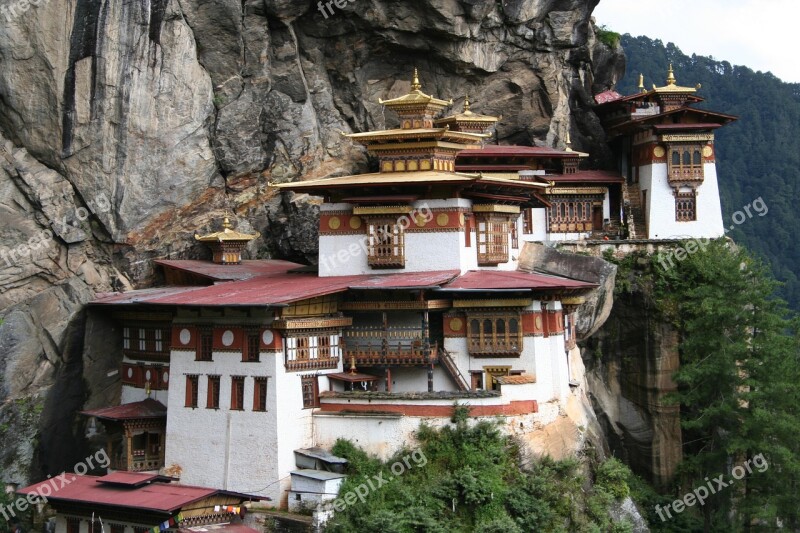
[(496, 347), (139, 462), (391, 346), (686, 174)]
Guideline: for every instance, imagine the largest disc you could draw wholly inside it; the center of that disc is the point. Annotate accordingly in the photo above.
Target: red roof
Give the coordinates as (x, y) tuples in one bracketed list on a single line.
[(279, 289), (494, 150), (595, 176), (244, 270), (148, 408), (701, 126), (512, 280), (158, 496)]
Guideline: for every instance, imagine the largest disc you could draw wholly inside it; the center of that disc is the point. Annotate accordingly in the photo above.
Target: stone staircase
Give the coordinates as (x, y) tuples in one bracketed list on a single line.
[(634, 213), (451, 368)]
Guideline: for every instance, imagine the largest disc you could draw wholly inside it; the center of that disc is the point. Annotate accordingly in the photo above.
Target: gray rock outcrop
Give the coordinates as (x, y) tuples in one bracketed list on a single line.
[(127, 126)]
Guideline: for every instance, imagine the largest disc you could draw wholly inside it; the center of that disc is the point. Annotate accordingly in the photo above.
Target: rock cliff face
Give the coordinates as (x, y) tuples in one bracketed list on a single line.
[(126, 126)]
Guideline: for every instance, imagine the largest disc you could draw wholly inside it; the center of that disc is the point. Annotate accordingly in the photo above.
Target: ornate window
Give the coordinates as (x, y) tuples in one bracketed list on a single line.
[(686, 206), (212, 397), (386, 244), (493, 334), (685, 162), (492, 234), (237, 393), (310, 386), (192, 383), (570, 213), (312, 350), (260, 394)]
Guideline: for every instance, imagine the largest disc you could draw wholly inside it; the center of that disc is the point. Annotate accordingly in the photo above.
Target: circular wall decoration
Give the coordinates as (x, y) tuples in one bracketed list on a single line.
[(456, 324), (130, 372), (461, 220), (267, 337), (659, 151), (147, 375), (185, 336), (334, 223), (227, 337), (355, 222), (707, 151), (538, 322), (165, 378), (419, 219), (442, 219)]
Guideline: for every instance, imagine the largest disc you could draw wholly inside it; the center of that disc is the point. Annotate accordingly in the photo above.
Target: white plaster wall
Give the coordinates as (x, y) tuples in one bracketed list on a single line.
[(236, 450), (344, 255), (415, 379), (132, 394), (539, 218), (660, 208)]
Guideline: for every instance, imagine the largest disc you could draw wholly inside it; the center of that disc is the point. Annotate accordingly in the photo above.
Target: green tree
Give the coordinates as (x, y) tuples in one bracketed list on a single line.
[(738, 385)]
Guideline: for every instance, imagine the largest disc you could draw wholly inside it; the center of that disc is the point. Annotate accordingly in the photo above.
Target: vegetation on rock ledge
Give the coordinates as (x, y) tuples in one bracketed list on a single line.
[(477, 479)]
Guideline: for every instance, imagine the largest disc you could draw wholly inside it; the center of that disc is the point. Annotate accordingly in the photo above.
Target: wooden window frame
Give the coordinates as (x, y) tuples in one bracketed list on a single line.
[(492, 236), (146, 341), (312, 350), (251, 348), (686, 206), (385, 243), (310, 390), (514, 235), (495, 336), (237, 393), (571, 214), (205, 345), (685, 162), (527, 221), (260, 394), (192, 390), (73, 524), (213, 391)]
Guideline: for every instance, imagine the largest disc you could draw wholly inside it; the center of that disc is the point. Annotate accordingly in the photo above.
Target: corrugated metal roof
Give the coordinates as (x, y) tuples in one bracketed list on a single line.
[(278, 289), (493, 150), (598, 176), (159, 497), (513, 280), (148, 408), (244, 270), (320, 475)]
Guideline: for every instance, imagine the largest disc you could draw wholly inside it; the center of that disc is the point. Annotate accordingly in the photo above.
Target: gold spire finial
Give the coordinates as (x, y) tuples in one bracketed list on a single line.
[(226, 222), (568, 142), (415, 84), (671, 76), (466, 103), (641, 83), (353, 364)]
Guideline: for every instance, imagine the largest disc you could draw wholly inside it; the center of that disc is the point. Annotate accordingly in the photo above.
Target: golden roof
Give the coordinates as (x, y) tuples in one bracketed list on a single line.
[(415, 97), (399, 178), (227, 234), (467, 116), (672, 86), (415, 133)]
